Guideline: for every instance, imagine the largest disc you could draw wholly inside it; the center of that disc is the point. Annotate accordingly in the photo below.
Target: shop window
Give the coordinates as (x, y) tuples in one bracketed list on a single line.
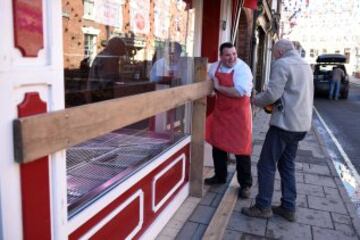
[(89, 12), (115, 56), (89, 47)]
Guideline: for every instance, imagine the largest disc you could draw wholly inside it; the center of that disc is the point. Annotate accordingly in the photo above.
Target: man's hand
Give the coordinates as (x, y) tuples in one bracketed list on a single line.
[(216, 83)]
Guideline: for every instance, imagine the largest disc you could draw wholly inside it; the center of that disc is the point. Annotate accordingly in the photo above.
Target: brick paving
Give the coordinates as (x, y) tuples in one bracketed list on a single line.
[(324, 210)]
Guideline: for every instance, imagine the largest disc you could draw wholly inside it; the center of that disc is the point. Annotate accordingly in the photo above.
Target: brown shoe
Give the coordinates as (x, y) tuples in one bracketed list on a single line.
[(254, 211), (282, 212), (244, 193)]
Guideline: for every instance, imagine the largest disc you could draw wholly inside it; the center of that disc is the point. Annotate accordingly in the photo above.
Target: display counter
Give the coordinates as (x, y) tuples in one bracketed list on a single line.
[(98, 165)]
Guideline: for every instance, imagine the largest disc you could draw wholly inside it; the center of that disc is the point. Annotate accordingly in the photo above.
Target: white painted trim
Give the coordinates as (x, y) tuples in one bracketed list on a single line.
[(339, 147), (105, 200), (164, 217), (90, 30), (138, 194), (156, 207)]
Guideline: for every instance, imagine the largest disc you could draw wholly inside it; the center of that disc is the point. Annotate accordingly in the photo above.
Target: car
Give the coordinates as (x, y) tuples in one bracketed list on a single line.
[(323, 74)]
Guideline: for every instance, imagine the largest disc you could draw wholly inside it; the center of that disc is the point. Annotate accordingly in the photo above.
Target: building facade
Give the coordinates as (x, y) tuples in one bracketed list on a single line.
[(324, 27), (104, 112)]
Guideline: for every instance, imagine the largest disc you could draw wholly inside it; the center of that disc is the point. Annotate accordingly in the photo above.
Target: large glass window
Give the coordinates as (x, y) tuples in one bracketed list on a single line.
[(113, 49)]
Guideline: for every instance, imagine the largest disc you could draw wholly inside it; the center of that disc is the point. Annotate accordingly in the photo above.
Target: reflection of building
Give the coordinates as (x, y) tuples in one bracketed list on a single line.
[(324, 26), (85, 31), (103, 170)]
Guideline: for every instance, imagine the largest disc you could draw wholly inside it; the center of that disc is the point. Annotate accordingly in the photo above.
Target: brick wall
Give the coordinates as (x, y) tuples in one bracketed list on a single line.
[(244, 37)]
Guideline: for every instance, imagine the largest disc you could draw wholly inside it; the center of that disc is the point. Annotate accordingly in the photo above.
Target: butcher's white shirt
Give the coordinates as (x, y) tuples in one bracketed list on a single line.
[(242, 76)]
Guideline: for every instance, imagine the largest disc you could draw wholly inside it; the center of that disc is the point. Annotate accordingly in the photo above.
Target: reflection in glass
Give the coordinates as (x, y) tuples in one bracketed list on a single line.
[(117, 48)]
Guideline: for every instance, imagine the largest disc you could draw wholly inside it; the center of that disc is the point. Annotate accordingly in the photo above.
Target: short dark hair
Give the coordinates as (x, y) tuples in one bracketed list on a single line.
[(225, 45), (175, 46)]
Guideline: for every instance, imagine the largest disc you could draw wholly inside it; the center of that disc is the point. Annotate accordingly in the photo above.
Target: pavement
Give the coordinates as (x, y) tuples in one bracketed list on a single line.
[(324, 209), (354, 80)]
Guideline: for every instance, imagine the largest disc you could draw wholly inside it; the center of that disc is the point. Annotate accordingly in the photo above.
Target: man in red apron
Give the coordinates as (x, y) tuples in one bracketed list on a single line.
[(229, 125)]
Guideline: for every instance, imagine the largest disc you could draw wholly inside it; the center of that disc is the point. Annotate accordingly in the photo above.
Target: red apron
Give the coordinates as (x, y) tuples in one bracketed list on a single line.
[(229, 126)]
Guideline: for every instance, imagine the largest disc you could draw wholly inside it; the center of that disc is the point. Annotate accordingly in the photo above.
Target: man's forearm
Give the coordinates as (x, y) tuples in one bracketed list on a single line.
[(228, 91)]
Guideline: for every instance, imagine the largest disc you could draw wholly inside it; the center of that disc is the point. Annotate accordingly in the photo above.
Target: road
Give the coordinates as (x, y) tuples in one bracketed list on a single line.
[(343, 119)]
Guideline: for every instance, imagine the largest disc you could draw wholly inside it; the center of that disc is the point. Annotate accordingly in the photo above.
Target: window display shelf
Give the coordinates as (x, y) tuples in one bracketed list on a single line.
[(96, 166)]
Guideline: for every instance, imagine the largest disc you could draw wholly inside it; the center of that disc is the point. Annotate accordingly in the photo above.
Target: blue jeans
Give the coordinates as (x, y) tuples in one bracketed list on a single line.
[(279, 149), (334, 89)]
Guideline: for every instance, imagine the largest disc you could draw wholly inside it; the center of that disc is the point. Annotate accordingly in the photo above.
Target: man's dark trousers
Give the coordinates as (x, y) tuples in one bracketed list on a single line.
[(243, 167), (279, 149)]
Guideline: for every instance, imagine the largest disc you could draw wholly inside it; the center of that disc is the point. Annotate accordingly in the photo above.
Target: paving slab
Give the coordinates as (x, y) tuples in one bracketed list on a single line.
[(319, 180), (310, 189), (241, 223), (187, 231), (234, 235), (332, 193), (328, 234), (327, 204), (346, 229), (279, 228), (208, 198), (317, 169), (314, 217), (301, 200), (202, 214), (341, 218)]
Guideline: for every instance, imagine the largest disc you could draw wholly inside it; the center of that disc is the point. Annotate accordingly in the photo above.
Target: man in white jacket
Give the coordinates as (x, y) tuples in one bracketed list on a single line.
[(291, 81)]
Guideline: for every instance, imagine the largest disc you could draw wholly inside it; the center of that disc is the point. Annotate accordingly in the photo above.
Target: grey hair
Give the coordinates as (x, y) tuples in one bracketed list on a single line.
[(284, 45)]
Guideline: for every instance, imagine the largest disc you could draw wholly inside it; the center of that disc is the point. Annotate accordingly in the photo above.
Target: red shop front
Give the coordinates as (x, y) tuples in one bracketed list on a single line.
[(98, 100)]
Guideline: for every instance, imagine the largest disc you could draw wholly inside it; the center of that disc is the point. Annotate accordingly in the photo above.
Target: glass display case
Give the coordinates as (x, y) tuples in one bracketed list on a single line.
[(117, 50), (96, 166)]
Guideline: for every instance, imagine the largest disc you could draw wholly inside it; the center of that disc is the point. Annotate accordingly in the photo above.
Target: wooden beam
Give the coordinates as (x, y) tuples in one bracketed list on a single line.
[(220, 220), (43, 134), (198, 134)]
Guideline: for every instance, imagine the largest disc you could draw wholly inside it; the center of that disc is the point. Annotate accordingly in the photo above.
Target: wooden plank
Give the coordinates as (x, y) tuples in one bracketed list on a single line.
[(43, 134), (198, 134), (220, 220)]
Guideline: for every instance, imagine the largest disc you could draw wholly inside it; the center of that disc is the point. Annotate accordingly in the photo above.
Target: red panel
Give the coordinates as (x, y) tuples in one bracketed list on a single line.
[(145, 184), (250, 4), (167, 181), (210, 30), (28, 26), (35, 186), (122, 225)]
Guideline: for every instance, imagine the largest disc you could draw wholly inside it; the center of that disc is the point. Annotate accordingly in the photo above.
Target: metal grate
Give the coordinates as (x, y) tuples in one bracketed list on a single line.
[(77, 187), (90, 165), (78, 155), (95, 172)]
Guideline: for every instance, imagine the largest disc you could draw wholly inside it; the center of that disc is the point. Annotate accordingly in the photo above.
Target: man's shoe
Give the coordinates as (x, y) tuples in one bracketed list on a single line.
[(214, 180), (255, 211), (244, 192), (288, 215)]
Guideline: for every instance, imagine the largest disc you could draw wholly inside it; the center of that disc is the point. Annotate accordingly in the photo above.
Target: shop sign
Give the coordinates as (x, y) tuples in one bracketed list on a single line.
[(139, 16), (109, 12)]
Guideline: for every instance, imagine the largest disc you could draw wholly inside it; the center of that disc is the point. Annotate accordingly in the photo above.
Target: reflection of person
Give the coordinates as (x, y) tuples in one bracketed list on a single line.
[(105, 67), (167, 67), (291, 80), (166, 72), (229, 126), (337, 75)]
